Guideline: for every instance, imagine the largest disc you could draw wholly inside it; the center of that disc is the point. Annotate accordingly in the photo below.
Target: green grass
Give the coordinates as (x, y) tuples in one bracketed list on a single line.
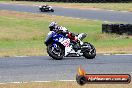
[(110, 6), (24, 33)]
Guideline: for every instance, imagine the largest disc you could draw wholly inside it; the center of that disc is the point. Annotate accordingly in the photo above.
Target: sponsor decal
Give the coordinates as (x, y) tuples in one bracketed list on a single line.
[(83, 78)]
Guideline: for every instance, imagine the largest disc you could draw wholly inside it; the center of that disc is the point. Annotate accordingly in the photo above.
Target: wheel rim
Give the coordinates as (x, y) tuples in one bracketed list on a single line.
[(56, 51), (92, 51)]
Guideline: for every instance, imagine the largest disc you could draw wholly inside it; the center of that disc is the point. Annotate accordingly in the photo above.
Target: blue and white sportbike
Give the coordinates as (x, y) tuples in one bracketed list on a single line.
[(59, 46)]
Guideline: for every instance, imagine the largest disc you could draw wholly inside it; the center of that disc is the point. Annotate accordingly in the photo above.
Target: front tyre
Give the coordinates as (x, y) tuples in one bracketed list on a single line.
[(52, 10), (55, 53), (40, 9), (90, 53)]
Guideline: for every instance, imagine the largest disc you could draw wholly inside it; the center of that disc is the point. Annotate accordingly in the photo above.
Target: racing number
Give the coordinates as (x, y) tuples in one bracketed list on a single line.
[(66, 43)]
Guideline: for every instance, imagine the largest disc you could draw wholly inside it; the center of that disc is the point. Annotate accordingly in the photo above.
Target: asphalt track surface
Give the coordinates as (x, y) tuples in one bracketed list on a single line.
[(43, 68), (112, 16)]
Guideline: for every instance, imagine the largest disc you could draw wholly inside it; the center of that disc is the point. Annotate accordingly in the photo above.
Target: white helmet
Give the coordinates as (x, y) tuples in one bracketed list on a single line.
[(52, 25)]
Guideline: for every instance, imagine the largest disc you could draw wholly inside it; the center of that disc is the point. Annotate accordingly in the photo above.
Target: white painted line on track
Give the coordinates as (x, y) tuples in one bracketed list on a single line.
[(106, 54), (107, 21), (117, 54), (122, 54), (13, 82), (125, 11), (39, 81), (67, 80), (57, 81), (21, 56), (110, 10)]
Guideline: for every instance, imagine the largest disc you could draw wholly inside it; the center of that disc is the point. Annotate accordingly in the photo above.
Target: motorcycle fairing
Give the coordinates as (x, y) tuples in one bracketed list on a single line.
[(66, 43), (60, 39)]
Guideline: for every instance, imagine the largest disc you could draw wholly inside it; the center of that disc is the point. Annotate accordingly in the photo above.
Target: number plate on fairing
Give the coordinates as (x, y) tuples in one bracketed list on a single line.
[(66, 42)]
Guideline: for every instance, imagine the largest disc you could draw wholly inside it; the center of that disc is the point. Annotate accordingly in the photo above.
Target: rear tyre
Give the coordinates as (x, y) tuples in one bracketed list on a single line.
[(90, 53), (56, 54)]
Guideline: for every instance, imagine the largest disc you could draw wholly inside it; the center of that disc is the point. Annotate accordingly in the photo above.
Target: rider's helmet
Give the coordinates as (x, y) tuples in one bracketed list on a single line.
[(45, 5), (52, 25)]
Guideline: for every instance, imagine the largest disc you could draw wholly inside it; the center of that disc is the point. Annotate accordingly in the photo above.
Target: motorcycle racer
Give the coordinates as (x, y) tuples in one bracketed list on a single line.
[(53, 26), (45, 8), (62, 43)]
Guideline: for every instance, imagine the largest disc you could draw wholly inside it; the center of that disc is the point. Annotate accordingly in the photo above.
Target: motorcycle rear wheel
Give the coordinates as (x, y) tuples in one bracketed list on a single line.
[(52, 10), (91, 53)]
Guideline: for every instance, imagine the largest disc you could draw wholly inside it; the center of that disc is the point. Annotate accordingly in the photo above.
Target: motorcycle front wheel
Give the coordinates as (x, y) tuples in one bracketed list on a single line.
[(55, 53)]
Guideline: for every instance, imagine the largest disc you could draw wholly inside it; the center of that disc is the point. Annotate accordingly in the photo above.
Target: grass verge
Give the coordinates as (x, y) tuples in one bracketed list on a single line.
[(63, 85), (24, 34), (107, 6)]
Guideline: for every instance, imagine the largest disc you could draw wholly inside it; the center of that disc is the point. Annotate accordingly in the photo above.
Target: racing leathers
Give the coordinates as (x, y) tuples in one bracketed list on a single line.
[(65, 32), (70, 35)]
